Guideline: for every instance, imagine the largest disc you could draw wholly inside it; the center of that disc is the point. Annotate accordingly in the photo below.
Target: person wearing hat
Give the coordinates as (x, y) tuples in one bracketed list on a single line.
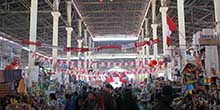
[(165, 100), (109, 101)]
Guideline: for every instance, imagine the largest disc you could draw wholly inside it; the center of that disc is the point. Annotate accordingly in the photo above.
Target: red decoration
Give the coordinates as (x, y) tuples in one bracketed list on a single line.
[(111, 63), (70, 63), (33, 55), (117, 64), (123, 64), (110, 79), (51, 61), (75, 63), (154, 62), (68, 49), (8, 67), (27, 42), (140, 44), (64, 62), (134, 63), (129, 63), (150, 64), (161, 62), (87, 63), (58, 62), (108, 47), (105, 63), (14, 65), (122, 78)]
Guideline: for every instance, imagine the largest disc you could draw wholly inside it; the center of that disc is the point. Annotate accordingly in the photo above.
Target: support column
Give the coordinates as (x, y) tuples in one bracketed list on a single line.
[(79, 41), (217, 15), (139, 51), (182, 33), (153, 11), (85, 46), (146, 37), (142, 48), (154, 27), (217, 20), (69, 29), (32, 37), (147, 49), (79, 35), (90, 52), (56, 15), (163, 11)]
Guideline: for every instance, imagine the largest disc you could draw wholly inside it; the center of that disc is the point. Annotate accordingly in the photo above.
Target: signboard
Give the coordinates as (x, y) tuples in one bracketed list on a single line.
[(209, 41)]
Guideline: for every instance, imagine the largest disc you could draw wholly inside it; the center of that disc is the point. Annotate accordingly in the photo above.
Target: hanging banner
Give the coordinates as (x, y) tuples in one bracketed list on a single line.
[(27, 42), (68, 49), (108, 47)]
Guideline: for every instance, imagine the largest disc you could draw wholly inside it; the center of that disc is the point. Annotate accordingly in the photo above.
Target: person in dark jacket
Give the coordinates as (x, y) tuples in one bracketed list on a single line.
[(109, 101), (68, 102), (129, 101), (165, 100), (91, 102)]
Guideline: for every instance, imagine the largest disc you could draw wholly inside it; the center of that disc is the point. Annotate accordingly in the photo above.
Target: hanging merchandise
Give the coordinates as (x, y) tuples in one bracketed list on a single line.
[(21, 86)]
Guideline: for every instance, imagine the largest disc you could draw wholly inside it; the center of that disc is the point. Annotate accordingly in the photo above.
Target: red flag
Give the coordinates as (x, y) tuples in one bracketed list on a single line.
[(70, 63), (105, 63), (64, 62), (95, 77), (58, 62), (33, 55), (122, 64), (171, 26), (117, 64), (51, 61), (134, 63), (129, 63)]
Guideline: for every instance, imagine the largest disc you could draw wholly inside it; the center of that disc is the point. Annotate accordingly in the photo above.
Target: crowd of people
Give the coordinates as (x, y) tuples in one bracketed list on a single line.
[(124, 98), (157, 94), (106, 98)]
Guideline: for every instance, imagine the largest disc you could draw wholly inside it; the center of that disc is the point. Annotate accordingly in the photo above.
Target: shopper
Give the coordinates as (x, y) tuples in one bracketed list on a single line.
[(53, 103), (68, 102), (109, 101), (91, 103), (164, 102)]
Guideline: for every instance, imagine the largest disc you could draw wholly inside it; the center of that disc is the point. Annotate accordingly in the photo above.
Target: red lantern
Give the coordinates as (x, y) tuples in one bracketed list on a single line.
[(150, 64), (154, 62)]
